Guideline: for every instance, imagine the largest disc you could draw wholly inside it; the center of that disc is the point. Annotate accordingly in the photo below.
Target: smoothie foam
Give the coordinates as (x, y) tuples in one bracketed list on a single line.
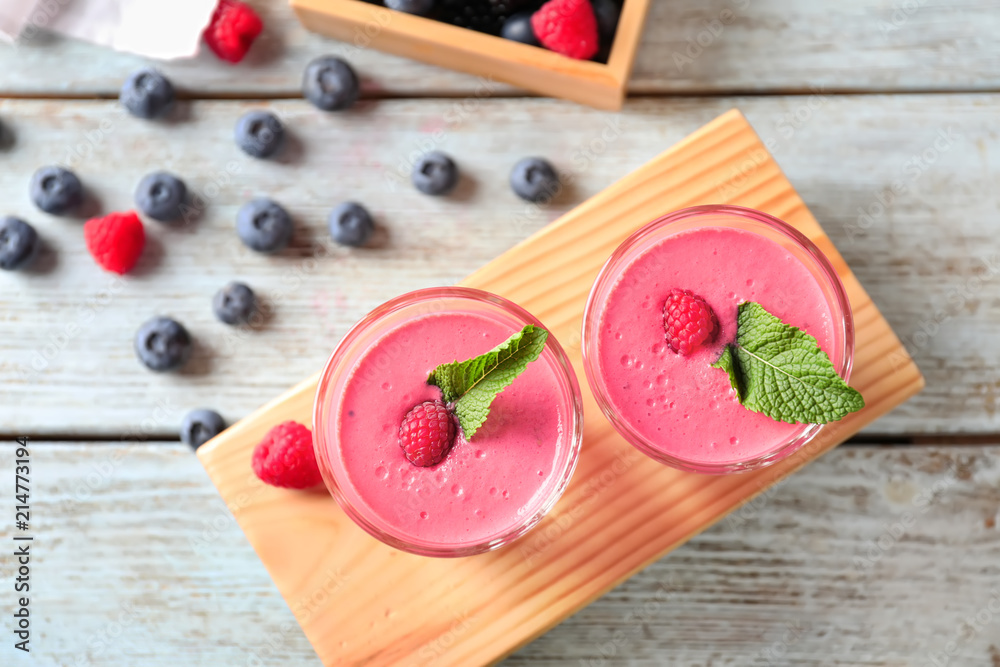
[(682, 404), (482, 487)]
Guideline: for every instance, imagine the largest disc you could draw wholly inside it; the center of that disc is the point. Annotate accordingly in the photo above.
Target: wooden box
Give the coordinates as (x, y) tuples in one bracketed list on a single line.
[(493, 58)]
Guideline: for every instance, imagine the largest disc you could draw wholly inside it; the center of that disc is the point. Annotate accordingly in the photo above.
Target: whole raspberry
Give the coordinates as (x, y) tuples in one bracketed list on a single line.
[(285, 457), (115, 241), (568, 27), (233, 28), (688, 321), (427, 433)]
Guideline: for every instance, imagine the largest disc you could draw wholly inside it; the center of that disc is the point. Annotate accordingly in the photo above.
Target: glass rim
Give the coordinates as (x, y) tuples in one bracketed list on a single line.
[(323, 443), (842, 316)]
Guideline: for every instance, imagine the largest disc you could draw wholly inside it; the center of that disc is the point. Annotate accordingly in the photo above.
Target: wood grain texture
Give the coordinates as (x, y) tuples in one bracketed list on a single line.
[(140, 563), (539, 70), (928, 260), (621, 511), (766, 45)]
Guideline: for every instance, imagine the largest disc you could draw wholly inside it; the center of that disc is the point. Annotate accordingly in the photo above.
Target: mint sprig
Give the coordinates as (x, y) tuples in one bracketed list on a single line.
[(780, 371), (472, 385)]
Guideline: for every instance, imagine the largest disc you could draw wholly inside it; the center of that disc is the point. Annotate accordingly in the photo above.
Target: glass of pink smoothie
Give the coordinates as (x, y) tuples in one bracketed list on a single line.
[(486, 492), (678, 409)]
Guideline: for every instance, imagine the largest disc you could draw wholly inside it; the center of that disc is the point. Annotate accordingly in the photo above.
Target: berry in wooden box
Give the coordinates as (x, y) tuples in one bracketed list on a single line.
[(440, 39)]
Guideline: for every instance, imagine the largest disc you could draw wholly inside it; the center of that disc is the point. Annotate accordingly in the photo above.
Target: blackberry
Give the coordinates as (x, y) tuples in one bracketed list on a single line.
[(606, 12), (483, 15), (418, 7), (518, 28)]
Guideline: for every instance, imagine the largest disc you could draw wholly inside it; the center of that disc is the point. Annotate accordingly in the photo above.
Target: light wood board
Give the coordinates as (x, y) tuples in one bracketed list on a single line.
[(143, 565), (620, 513)]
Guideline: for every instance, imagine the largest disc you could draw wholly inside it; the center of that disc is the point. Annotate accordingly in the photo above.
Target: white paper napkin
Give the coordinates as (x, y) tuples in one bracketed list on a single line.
[(152, 28)]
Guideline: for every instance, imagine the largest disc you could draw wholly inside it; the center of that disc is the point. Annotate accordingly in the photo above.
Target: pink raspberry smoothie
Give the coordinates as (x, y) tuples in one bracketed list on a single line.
[(503, 480), (680, 406)]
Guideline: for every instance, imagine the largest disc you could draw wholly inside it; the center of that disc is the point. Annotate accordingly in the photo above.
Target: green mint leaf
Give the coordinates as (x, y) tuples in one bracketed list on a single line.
[(780, 371), (472, 385), (727, 363)]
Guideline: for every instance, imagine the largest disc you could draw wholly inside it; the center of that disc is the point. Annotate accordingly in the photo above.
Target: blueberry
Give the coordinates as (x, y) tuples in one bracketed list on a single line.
[(330, 84), (18, 243), (263, 225), (351, 224), (607, 12), (419, 7), (56, 190), (518, 28), (160, 195), (234, 303), (200, 426), (147, 93), (435, 174), (534, 180), (163, 344), (259, 133)]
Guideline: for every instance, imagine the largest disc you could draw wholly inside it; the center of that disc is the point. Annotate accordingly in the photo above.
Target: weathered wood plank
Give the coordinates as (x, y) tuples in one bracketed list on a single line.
[(928, 259), (870, 556), (731, 45)]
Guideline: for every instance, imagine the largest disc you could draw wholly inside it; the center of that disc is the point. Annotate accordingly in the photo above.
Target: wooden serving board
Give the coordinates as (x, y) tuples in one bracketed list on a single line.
[(360, 602)]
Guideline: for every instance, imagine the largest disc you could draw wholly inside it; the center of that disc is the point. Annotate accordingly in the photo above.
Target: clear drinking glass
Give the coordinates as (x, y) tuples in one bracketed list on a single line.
[(841, 354), (354, 347)]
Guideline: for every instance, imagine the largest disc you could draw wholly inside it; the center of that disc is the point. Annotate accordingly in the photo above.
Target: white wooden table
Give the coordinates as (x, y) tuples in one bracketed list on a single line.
[(885, 552)]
